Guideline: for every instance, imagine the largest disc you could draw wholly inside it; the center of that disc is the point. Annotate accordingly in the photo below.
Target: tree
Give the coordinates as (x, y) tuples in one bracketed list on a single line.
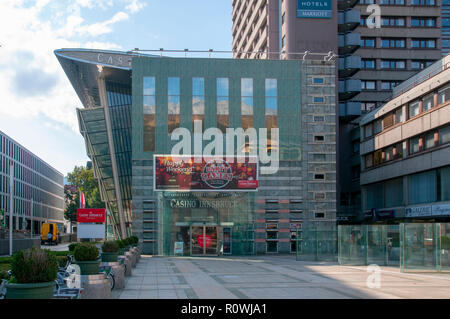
[(82, 180)]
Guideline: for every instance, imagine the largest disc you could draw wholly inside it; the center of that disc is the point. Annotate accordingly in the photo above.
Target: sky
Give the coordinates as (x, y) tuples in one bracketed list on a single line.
[(38, 104)]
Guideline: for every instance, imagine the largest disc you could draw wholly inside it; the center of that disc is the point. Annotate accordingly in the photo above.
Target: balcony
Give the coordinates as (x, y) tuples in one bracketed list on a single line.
[(349, 88), (349, 43), (348, 20), (349, 110), (346, 4), (349, 65)]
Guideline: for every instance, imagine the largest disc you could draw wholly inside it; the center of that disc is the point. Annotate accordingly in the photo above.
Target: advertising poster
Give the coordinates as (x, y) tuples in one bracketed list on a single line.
[(213, 173)]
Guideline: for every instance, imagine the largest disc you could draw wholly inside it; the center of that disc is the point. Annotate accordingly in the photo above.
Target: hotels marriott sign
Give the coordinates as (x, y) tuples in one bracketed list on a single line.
[(314, 9)]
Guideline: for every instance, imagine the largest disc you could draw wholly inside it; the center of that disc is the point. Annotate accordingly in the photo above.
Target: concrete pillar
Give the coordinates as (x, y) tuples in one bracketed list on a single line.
[(118, 271), (95, 287)]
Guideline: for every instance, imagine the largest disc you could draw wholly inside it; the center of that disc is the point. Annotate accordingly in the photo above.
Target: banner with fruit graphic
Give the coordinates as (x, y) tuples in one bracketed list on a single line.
[(212, 173)]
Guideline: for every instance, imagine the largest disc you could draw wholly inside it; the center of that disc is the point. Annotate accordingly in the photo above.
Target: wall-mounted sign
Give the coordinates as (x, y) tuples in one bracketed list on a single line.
[(90, 215), (440, 210), (314, 9), (212, 173), (418, 211), (428, 211), (384, 214)]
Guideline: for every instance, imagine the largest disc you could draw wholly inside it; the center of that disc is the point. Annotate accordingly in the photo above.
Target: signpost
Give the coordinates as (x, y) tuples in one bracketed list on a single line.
[(91, 223), (11, 207)]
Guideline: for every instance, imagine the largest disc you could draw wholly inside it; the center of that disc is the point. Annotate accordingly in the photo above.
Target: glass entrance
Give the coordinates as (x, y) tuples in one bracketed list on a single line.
[(204, 240)]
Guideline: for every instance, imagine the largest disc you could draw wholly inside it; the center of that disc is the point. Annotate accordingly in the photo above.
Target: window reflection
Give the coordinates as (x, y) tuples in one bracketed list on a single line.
[(223, 114), (149, 114), (271, 109), (173, 107), (198, 100), (246, 103)]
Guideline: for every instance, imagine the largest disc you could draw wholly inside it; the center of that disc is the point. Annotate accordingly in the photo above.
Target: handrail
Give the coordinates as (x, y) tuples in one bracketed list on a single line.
[(326, 56)]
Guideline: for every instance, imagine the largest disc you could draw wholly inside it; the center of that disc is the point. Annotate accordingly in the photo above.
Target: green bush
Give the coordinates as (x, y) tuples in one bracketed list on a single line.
[(34, 265), (72, 246), (110, 247), (127, 241), (120, 243), (134, 240), (5, 260), (62, 260), (85, 252), (3, 275)]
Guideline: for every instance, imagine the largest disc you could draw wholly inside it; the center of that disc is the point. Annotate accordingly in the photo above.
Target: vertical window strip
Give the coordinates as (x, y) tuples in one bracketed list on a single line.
[(247, 103), (149, 114), (223, 107), (173, 103)]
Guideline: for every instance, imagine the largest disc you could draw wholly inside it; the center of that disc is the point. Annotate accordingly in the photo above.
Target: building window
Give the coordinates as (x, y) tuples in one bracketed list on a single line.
[(149, 114), (423, 43), (393, 22), (393, 64), (223, 104), (423, 22), (271, 112), (319, 176), (422, 187), (173, 107), (368, 42), (398, 115), (319, 138), (319, 215), (368, 130), (367, 64), (368, 85), (247, 103), (444, 95), (414, 109), (377, 127), (428, 102), (318, 80), (420, 64), (393, 43), (388, 120), (414, 145), (444, 135), (389, 85), (318, 99), (393, 2), (423, 2), (319, 118), (368, 106), (198, 100)]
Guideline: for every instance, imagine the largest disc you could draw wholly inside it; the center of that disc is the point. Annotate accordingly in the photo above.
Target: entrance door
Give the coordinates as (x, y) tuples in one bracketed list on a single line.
[(204, 240)]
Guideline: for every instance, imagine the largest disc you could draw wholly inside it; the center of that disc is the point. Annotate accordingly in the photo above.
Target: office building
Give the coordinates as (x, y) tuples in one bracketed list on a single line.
[(405, 151), (38, 187)]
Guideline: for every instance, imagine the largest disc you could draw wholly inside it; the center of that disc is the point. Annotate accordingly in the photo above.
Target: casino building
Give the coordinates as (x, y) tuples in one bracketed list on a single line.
[(132, 103)]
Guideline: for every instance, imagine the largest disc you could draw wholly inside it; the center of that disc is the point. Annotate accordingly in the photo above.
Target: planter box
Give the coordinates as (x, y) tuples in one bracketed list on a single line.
[(88, 267), (41, 290), (110, 257)]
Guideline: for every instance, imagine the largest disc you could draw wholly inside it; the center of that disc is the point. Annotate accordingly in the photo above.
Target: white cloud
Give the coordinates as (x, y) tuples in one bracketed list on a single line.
[(32, 83), (135, 6)]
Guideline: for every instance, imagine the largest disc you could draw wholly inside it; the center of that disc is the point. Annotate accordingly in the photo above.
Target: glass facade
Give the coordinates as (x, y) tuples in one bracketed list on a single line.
[(34, 180)]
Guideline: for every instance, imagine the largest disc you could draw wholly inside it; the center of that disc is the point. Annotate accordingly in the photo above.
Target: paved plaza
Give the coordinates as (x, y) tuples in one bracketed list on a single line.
[(271, 277)]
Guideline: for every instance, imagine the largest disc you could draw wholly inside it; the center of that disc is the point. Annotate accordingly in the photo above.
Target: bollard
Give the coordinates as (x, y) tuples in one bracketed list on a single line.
[(118, 270), (128, 265), (95, 286), (132, 258)]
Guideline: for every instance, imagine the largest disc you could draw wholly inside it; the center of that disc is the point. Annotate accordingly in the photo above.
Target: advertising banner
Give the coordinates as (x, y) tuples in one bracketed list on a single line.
[(90, 215), (314, 9), (213, 173)]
